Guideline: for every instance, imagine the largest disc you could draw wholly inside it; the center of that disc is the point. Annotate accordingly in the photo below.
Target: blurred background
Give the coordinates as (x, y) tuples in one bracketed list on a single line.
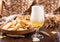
[(8, 7)]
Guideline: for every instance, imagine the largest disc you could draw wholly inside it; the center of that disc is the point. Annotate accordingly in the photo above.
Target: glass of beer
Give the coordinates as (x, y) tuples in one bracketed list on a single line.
[(37, 20)]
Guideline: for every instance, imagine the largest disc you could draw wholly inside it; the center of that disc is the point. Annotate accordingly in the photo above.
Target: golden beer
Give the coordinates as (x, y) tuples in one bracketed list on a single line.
[(37, 24)]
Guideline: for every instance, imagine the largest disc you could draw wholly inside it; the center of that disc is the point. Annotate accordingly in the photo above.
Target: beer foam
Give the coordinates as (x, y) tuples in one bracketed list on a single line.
[(37, 13)]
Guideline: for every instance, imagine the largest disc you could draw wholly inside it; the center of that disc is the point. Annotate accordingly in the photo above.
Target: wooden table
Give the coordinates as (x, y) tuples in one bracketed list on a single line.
[(52, 38)]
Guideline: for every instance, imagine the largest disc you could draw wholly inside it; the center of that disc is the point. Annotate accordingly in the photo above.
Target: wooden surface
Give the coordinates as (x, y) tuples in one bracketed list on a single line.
[(52, 38)]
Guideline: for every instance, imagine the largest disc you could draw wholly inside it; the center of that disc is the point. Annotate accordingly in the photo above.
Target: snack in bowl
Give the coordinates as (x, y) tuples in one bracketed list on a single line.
[(17, 26)]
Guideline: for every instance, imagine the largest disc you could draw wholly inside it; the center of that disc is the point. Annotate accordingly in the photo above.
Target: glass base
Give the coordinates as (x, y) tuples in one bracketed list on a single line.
[(37, 36)]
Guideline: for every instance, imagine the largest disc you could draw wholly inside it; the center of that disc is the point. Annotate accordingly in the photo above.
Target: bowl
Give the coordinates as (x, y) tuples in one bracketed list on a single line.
[(20, 32)]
